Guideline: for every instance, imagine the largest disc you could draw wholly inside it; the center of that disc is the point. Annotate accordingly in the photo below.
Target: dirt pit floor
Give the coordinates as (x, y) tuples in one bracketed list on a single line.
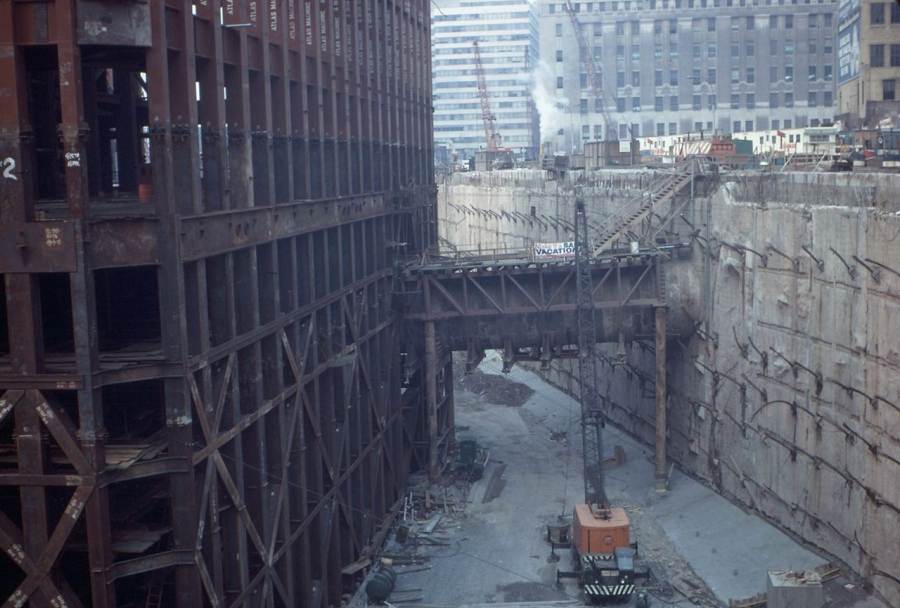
[(484, 542)]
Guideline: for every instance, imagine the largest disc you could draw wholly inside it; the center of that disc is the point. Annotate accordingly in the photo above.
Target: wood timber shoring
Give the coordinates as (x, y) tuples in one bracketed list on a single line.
[(268, 171)]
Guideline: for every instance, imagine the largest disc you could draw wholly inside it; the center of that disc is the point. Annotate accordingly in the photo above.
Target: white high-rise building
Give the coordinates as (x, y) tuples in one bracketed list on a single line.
[(507, 36)]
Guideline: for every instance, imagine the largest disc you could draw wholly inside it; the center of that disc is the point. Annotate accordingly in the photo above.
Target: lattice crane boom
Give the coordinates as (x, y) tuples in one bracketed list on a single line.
[(487, 116), (591, 415), (587, 60)]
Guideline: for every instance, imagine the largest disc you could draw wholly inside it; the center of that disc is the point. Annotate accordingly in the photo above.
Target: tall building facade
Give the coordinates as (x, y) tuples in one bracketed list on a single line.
[(507, 35), (681, 66), (868, 52)]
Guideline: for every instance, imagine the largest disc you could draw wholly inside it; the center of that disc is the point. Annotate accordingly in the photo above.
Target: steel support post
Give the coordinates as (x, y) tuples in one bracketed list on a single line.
[(661, 399), (431, 367)]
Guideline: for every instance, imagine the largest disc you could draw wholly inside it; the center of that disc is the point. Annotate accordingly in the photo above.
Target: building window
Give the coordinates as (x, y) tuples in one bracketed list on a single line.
[(635, 79), (735, 50), (813, 20), (788, 73), (751, 23), (658, 104), (876, 55), (598, 132), (598, 53), (812, 101), (735, 101), (826, 73), (583, 106), (559, 82), (788, 48), (559, 56), (635, 130), (582, 81), (773, 22), (620, 51), (696, 102), (711, 51), (773, 100), (877, 13), (598, 30), (812, 48), (673, 128), (889, 89), (657, 27), (673, 26), (635, 27), (585, 131), (673, 78), (620, 79), (598, 104), (660, 129), (773, 47), (673, 49), (657, 78), (828, 50), (748, 125), (751, 75), (812, 72), (895, 12), (623, 131), (620, 104), (657, 51), (736, 127), (636, 52), (696, 51), (711, 75), (788, 124), (696, 23), (788, 22), (773, 74), (789, 100), (620, 28), (711, 24), (552, 8), (673, 103), (695, 76), (775, 124), (735, 23), (559, 30), (895, 55), (698, 126), (827, 99), (751, 49), (827, 19), (735, 75)]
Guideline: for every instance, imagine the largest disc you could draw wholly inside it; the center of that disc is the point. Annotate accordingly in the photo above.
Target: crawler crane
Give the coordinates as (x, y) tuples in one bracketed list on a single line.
[(605, 558)]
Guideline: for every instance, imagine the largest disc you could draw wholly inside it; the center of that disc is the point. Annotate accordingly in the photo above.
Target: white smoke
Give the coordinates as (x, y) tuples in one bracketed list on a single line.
[(545, 100)]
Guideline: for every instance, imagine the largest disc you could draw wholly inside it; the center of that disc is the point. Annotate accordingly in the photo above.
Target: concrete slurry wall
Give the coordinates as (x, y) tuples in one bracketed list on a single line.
[(802, 424), (514, 209)]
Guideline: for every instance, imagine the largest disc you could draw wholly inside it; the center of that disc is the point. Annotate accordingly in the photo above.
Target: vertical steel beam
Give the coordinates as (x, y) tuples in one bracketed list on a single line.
[(661, 400), (431, 370)]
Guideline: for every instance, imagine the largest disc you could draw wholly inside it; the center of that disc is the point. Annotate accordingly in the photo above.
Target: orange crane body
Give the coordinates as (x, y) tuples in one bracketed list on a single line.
[(487, 116)]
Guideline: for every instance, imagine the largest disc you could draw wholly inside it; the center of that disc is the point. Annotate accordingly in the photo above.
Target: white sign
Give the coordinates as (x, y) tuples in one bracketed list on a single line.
[(554, 250)]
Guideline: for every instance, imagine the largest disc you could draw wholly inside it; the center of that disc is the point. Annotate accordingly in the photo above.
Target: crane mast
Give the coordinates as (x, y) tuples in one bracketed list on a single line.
[(591, 416), (587, 60), (487, 116)]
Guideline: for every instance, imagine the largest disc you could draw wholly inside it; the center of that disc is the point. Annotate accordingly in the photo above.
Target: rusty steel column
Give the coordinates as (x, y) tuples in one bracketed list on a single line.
[(431, 367), (661, 399)]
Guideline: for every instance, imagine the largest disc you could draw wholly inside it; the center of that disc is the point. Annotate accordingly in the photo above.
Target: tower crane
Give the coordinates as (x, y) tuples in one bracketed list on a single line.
[(604, 555), (487, 116), (587, 60)]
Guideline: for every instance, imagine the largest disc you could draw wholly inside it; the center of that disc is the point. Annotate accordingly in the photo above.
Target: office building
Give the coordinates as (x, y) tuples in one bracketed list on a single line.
[(683, 66), (507, 35), (868, 53)]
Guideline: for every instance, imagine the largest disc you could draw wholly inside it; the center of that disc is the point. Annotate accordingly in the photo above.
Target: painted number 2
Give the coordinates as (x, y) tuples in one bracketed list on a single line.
[(9, 165)]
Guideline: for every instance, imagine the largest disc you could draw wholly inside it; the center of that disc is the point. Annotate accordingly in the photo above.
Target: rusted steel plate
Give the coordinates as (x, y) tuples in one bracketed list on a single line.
[(37, 247)]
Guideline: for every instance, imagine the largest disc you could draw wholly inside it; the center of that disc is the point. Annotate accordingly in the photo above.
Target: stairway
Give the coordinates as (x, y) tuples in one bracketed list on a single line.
[(616, 226)]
